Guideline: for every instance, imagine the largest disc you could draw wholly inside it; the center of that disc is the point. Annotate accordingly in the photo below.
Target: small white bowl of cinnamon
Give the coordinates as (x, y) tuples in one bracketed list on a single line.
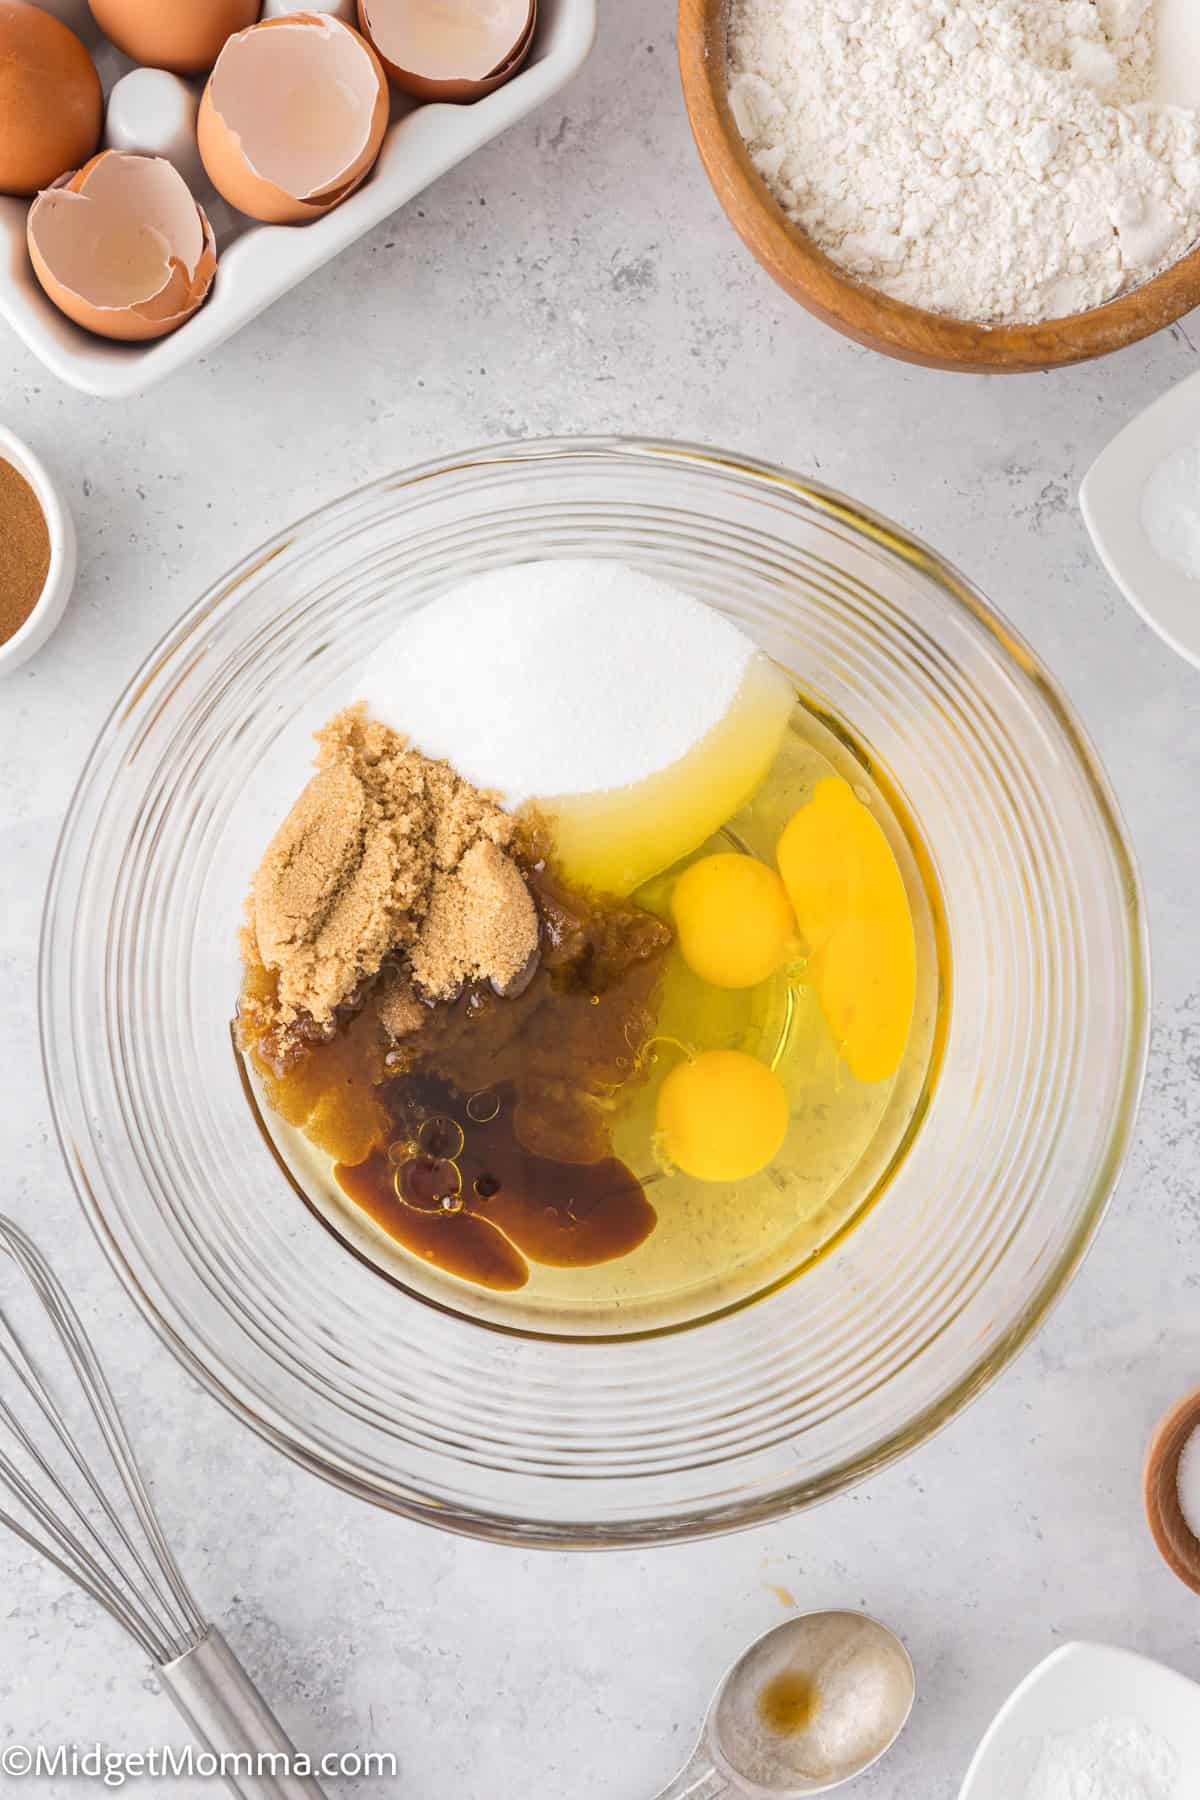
[(37, 553)]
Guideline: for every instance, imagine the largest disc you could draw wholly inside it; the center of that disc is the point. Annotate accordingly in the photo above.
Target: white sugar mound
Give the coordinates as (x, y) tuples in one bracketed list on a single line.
[(547, 679)]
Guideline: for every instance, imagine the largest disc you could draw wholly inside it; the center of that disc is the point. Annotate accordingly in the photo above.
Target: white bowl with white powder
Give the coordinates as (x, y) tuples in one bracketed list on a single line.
[(1141, 503), (1092, 1720)]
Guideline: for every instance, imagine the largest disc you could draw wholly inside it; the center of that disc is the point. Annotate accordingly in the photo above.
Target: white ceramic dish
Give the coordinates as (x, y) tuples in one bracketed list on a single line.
[(1111, 499), (60, 578), (258, 263), (1072, 1689)]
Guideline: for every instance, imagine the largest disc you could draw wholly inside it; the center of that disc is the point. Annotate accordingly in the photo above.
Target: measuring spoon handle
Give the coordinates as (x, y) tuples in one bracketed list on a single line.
[(698, 1781)]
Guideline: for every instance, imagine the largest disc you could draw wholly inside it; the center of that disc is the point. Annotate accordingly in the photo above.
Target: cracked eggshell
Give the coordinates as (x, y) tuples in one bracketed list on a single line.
[(122, 248), (50, 99), (184, 36), (454, 50), (271, 85)]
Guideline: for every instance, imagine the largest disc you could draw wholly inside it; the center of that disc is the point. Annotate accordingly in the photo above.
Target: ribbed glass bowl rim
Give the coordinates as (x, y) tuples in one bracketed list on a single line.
[(959, 593)]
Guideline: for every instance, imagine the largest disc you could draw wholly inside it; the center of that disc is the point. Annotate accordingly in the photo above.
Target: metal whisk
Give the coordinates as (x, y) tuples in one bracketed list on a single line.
[(120, 1556)]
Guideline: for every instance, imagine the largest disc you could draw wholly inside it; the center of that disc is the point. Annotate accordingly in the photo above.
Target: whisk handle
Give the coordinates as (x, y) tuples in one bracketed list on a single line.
[(231, 1719)]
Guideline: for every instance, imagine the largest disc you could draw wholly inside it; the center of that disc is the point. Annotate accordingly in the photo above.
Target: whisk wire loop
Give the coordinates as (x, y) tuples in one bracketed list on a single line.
[(146, 1594), (75, 1518)]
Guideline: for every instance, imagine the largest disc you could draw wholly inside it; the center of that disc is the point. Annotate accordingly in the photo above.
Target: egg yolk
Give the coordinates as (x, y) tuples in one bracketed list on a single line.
[(722, 1116), (733, 920), (852, 913)]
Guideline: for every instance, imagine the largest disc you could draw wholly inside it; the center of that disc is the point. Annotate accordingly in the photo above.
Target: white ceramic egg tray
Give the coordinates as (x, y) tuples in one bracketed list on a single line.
[(258, 263)]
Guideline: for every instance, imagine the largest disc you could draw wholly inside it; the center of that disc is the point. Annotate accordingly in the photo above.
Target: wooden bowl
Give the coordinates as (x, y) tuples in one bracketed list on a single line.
[(861, 312), (1179, 1544)]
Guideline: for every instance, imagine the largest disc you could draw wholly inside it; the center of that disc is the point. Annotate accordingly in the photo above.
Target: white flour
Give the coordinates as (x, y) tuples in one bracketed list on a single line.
[(993, 159), (1114, 1759)]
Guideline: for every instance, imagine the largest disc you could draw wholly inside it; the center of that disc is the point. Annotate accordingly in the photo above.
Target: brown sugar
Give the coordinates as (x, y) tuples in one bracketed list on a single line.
[(24, 550), (397, 1006), (385, 853), (455, 1024), (481, 926), (524, 1088)]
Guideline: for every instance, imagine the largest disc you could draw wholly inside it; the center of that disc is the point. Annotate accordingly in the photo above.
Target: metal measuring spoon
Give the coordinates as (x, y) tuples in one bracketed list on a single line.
[(807, 1707)]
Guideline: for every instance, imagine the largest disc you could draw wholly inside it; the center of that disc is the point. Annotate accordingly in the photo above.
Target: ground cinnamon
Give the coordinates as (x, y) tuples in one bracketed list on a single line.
[(24, 550)]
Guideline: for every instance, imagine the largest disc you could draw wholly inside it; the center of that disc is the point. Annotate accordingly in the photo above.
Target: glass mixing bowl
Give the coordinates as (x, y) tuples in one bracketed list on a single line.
[(647, 1437)]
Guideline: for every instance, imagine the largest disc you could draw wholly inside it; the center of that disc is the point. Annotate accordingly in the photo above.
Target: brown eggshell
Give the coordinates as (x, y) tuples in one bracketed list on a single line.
[(384, 23), (387, 26), (243, 130), (51, 104), (122, 248), (184, 36)]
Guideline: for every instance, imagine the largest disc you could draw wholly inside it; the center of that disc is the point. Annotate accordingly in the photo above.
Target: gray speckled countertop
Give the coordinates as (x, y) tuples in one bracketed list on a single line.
[(577, 276)]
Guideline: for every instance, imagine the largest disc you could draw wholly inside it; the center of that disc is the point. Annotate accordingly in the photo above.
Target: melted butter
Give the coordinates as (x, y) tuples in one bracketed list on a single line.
[(853, 915), (615, 840)]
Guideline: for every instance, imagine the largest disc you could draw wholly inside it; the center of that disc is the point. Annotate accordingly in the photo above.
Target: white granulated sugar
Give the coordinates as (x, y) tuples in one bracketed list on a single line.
[(1114, 1759), (991, 159), (1171, 509), (555, 678)]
